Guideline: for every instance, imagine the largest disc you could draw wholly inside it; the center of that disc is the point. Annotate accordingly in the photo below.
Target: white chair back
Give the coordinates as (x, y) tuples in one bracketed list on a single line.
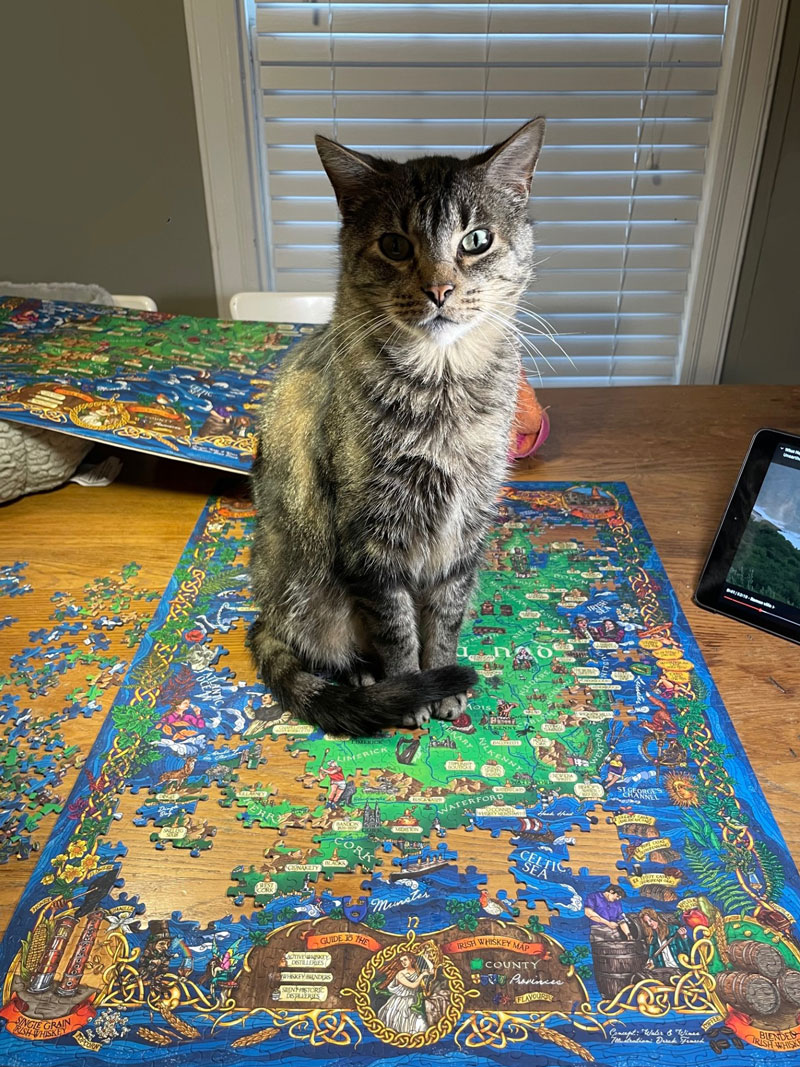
[(313, 308), (135, 303)]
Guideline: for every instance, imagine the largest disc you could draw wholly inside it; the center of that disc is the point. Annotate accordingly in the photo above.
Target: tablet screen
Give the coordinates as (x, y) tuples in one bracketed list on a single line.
[(765, 571), (753, 570)]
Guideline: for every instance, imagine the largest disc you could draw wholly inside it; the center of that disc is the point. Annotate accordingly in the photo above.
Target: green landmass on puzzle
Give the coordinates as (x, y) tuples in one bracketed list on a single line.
[(538, 722)]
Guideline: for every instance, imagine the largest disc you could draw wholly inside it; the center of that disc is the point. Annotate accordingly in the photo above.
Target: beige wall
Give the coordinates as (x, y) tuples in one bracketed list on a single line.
[(764, 342), (100, 177)]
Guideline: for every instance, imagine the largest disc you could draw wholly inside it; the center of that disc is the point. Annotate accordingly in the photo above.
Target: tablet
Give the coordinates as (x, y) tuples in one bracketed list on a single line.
[(753, 569)]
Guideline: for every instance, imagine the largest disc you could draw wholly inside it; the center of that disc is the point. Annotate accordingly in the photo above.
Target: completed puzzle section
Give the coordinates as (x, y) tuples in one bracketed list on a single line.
[(582, 867)]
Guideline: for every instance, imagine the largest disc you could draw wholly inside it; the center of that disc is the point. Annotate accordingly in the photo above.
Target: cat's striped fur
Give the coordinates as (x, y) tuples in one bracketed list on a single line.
[(383, 442)]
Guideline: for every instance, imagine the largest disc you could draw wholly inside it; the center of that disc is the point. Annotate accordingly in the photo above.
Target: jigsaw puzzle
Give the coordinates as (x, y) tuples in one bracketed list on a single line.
[(582, 867), (139, 379), (59, 675)]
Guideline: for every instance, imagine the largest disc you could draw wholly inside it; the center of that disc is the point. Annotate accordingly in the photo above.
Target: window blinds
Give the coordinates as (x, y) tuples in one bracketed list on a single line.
[(628, 90)]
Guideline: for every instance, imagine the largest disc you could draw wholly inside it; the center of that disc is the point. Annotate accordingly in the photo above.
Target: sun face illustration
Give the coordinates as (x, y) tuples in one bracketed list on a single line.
[(682, 789)]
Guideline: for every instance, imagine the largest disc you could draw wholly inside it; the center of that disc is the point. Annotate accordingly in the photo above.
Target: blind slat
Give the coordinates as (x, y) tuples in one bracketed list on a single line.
[(599, 366), (601, 303), (510, 108), (425, 132), (546, 48), (545, 79), (576, 380), (417, 19), (531, 6)]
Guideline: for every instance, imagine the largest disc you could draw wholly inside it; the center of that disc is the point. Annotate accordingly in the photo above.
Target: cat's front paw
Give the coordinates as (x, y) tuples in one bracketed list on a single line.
[(450, 708), (419, 718), (359, 679)]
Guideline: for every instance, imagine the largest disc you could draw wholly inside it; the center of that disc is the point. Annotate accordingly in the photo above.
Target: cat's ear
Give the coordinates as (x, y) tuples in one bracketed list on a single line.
[(350, 173), (511, 163)]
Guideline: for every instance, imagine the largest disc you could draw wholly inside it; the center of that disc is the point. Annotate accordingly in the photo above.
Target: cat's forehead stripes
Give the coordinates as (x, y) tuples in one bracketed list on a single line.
[(433, 222), (432, 215), (431, 195)]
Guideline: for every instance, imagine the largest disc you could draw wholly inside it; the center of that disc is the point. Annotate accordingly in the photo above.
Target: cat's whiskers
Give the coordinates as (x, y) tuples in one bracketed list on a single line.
[(526, 343), (343, 335), (548, 328), (389, 340), (547, 332), (531, 347), (349, 342), (361, 334), (357, 318), (345, 324)]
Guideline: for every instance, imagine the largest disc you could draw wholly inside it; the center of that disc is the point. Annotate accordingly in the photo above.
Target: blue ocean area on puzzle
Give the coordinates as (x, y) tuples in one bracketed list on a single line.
[(580, 868)]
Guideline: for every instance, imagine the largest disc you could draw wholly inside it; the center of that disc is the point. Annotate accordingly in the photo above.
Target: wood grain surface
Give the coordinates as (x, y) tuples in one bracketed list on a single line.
[(679, 449)]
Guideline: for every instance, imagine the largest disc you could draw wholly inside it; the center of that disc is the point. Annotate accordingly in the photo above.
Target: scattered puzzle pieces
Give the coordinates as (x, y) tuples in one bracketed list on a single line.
[(39, 759)]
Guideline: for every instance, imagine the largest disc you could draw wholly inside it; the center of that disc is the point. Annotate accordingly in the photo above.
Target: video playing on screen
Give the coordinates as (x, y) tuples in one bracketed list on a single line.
[(767, 562)]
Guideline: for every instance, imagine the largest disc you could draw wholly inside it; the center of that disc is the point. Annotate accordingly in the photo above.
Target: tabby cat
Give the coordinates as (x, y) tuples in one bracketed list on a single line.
[(383, 442)]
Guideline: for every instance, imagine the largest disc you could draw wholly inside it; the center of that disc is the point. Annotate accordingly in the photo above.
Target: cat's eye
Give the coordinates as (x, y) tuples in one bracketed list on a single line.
[(476, 242), (395, 246)]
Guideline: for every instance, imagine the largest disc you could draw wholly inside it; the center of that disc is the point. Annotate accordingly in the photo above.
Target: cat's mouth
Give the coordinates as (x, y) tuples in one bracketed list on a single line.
[(442, 329)]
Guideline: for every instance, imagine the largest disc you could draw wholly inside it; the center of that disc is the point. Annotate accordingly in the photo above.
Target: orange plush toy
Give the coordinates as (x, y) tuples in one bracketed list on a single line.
[(531, 425)]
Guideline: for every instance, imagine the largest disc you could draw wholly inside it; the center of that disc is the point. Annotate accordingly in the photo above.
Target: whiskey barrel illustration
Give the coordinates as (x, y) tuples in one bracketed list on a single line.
[(751, 993), (789, 987), (617, 963), (756, 956)]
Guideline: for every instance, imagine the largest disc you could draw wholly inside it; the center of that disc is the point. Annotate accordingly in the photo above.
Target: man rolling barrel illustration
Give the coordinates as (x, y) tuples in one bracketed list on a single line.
[(618, 950), (605, 911)]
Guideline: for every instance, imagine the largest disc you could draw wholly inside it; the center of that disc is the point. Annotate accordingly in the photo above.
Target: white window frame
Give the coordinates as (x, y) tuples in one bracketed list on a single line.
[(223, 81)]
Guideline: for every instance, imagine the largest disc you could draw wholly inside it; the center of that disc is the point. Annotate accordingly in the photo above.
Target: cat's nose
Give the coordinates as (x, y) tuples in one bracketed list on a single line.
[(439, 293)]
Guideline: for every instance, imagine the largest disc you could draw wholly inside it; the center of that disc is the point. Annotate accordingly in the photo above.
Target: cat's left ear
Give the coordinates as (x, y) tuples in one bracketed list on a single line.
[(511, 163)]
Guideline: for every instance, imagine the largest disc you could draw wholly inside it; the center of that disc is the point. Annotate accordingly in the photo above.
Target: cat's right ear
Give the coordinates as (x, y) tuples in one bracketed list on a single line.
[(350, 173)]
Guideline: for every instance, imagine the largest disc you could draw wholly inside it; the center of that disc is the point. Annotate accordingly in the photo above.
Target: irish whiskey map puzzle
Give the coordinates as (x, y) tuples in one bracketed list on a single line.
[(173, 385), (582, 868)]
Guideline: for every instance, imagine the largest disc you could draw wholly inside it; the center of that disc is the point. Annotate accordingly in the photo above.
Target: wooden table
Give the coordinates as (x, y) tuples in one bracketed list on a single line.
[(678, 449)]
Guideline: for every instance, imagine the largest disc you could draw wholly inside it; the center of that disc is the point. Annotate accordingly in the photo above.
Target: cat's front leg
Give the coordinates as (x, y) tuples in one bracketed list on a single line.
[(390, 618), (442, 610), (390, 622)]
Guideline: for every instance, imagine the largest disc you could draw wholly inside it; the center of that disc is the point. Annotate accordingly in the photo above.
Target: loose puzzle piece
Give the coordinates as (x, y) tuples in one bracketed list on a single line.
[(580, 867), (176, 824)]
